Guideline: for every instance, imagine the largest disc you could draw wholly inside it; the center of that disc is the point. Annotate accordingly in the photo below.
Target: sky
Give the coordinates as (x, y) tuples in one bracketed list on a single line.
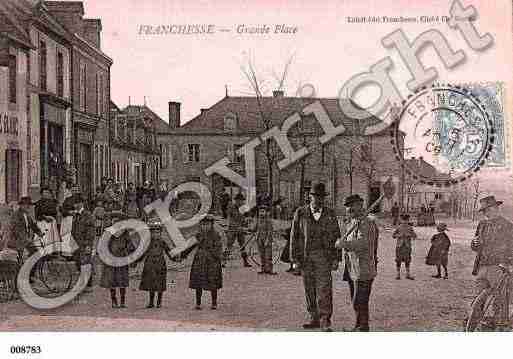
[(326, 50)]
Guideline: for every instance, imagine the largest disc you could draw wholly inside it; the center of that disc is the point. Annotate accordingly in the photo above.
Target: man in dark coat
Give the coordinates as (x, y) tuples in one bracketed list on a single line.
[(361, 252), (224, 201), (83, 231), (494, 245), (314, 232), (22, 229), (395, 213)]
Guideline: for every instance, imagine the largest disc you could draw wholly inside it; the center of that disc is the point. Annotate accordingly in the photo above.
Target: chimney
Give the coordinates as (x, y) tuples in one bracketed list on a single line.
[(92, 31), (174, 115), (278, 93), (203, 110), (68, 13)]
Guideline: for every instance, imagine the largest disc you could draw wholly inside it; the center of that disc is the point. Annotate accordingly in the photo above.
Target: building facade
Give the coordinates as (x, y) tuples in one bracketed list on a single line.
[(350, 163), (134, 151), (15, 153), (91, 93)]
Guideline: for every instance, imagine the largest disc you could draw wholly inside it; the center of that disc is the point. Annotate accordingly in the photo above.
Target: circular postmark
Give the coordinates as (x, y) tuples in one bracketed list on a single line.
[(442, 135)]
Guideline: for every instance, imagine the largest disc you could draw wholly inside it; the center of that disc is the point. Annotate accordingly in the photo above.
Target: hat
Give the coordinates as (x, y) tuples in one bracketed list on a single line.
[(239, 196), (208, 218), (488, 202), (318, 190), (405, 216), (353, 199), (441, 226), (25, 201)]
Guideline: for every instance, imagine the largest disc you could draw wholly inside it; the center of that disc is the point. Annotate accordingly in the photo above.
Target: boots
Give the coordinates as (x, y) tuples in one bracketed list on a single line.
[(152, 300), (398, 276), (159, 299), (113, 298), (408, 275), (122, 293)]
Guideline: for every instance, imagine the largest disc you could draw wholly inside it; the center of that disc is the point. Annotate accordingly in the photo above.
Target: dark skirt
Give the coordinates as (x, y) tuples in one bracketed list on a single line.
[(114, 277), (154, 275), (437, 257), (206, 271), (403, 254)]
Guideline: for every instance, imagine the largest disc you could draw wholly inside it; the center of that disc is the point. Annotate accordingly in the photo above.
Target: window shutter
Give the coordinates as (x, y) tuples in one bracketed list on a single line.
[(185, 153), (199, 153), (169, 154)]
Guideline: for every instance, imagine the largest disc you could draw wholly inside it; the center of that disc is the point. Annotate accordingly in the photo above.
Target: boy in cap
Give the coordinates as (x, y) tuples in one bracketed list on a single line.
[(404, 234), (84, 232), (438, 254), (264, 232)]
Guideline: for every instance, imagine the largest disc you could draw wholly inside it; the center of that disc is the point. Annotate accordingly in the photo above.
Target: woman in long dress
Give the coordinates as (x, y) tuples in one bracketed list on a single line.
[(118, 277)]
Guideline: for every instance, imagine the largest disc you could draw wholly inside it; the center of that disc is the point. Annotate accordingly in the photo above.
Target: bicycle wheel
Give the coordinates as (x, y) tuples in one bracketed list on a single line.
[(482, 317), (56, 275), (279, 242)]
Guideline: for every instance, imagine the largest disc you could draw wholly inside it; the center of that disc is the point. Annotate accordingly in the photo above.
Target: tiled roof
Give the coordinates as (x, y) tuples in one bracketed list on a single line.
[(423, 169), (13, 14), (145, 112), (276, 109)]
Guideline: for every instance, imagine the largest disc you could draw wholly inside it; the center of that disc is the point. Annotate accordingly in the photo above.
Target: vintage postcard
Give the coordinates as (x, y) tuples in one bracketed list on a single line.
[(265, 166)]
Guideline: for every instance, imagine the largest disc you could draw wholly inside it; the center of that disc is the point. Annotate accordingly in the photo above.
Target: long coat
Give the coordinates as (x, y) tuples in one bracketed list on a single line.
[(154, 275), (361, 251), (206, 271), (83, 231), (117, 277), (438, 253), (22, 231), (299, 234)]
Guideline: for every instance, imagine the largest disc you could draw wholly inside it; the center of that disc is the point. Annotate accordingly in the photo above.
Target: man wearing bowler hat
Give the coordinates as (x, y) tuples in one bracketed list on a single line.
[(360, 253), (83, 231), (312, 248), (494, 244)]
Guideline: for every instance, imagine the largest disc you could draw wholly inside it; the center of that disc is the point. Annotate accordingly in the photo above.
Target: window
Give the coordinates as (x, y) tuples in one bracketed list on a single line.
[(42, 66), (191, 152), (60, 75), (12, 79), (83, 88), (230, 122), (99, 94)]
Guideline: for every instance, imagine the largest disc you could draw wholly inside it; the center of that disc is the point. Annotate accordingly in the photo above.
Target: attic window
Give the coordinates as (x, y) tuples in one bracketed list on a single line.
[(230, 122)]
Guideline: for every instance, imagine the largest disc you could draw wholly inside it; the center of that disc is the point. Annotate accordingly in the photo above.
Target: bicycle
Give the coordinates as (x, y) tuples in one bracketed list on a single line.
[(279, 241), (483, 319)]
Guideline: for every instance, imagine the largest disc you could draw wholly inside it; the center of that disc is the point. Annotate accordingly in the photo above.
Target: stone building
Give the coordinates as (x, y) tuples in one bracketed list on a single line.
[(350, 163), (133, 138), (15, 154), (90, 68)]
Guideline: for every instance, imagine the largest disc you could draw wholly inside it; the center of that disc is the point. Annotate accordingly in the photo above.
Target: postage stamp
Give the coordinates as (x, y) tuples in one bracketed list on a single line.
[(455, 130)]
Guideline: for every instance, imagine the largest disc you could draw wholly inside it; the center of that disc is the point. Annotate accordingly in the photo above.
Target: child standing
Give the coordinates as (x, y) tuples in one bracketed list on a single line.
[(118, 277), (438, 254), (99, 216), (206, 272), (404, 234), (154, 275)]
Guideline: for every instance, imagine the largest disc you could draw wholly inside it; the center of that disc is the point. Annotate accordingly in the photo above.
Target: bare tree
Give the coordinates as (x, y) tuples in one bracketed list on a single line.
[(257, 85)]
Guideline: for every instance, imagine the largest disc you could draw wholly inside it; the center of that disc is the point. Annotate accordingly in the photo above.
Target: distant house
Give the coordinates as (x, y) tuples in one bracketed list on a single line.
[(133, 138), (187, 150)]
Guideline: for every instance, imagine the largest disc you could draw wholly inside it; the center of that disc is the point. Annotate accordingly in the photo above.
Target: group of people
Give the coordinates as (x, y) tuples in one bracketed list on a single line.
[(317, 244)]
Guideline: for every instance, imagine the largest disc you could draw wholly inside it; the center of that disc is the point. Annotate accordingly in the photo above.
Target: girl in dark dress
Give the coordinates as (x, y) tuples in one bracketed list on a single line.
[(438, 254), (117, 277), (206, 272), (154, 275)]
